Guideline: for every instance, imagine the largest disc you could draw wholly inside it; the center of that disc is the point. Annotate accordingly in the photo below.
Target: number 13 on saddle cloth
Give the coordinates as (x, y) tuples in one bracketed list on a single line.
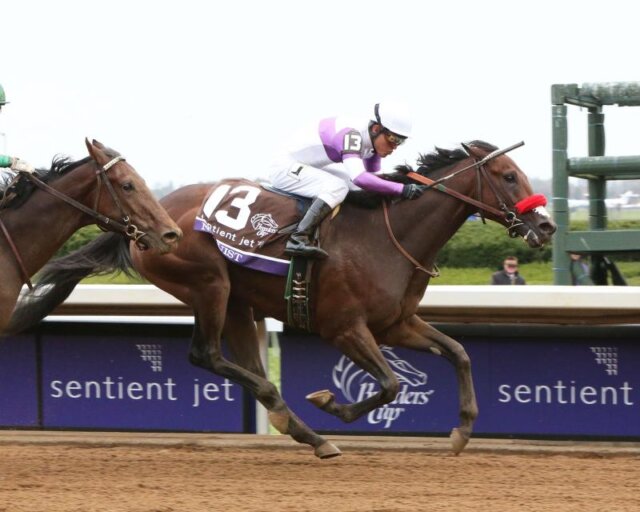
[(246, 221)]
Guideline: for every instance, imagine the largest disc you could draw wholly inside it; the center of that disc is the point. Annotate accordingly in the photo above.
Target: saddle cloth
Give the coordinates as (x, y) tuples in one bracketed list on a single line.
[(249, 223)]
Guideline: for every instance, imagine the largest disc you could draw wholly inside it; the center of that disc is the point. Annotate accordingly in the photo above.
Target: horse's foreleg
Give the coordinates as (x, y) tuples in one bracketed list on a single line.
[(359, 345), (241, 336), (416, 334)]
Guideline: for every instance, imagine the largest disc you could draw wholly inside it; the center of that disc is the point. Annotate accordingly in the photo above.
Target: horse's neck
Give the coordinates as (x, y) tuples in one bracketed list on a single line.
[(44, 223), (426, 224)]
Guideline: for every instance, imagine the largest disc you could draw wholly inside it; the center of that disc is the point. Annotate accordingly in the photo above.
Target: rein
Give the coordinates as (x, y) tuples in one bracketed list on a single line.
[(454, 193), (510, 215), (12, 245), (416, 263), (14, 249), (125, 227)]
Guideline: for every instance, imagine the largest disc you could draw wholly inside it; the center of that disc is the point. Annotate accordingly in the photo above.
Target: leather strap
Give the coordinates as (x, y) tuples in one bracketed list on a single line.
[(454, 193), (16, 254), (99, 218), (432, 273)]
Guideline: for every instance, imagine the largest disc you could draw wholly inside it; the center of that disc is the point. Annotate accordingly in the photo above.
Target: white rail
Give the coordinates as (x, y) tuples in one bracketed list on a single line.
[(458, 304)]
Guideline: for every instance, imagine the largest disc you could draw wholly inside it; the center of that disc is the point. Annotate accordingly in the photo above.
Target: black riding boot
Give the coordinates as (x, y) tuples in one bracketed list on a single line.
[(299, 243)]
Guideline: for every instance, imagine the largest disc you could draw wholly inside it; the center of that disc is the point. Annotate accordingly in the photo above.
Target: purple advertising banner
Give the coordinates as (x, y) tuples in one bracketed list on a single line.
[(116, 382), (18, 382), (550, 387)]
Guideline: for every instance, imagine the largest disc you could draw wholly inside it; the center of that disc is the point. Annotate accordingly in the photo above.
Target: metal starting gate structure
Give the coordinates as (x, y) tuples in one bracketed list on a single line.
[(597, 241)]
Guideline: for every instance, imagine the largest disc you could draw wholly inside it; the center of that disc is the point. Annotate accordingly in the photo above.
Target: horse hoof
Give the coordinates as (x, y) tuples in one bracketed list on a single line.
[(327, 450), (320, 398), (280, 421), (458, 441)]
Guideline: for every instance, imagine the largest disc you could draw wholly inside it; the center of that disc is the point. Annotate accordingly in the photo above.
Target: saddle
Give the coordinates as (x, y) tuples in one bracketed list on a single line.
[(250, 223)]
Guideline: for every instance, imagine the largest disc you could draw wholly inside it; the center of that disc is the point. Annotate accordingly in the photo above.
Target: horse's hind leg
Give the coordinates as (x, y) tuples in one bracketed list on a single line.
[(416, 334), (241, 335), (358, 344)]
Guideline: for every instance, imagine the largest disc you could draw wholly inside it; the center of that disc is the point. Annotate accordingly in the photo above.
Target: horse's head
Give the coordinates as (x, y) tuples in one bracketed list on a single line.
[(503, 186), (124, 197), (404, 370)]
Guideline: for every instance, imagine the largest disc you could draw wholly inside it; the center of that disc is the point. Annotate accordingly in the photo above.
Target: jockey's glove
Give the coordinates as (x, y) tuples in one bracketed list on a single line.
[(21, 166), (413, 191)]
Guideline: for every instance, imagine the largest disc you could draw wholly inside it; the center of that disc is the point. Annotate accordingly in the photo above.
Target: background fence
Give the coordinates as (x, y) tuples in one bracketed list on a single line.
[(547, 363)]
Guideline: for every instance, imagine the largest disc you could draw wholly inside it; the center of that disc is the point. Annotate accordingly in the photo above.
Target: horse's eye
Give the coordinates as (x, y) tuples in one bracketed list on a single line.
[(128, 186), (510, 177)]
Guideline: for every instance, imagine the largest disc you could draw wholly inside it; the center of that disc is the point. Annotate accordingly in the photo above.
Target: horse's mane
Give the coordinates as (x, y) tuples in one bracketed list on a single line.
[(60, 165), (427, 163)]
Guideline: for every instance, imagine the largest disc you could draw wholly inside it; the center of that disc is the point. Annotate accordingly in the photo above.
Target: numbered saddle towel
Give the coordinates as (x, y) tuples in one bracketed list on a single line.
[(250, 224)]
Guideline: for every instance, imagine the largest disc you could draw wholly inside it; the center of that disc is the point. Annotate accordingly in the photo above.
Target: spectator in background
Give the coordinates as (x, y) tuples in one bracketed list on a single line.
[(579, 271), (509, 273)]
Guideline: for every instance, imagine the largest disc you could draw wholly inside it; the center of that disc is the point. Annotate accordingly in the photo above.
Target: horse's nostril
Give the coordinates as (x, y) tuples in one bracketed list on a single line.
[(548, 227), (172, 236)]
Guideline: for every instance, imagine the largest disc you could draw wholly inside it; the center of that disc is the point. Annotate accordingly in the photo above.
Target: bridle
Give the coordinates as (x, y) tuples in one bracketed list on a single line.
[(124, 227), (507, 213)]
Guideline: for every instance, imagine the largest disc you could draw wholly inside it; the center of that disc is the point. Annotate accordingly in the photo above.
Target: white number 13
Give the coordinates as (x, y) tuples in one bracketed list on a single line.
[(352, 142), (241, 203)]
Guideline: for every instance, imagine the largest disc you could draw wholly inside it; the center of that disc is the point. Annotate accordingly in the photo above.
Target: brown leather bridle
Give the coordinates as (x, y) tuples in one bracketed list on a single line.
[(124, 227), (508, 213)]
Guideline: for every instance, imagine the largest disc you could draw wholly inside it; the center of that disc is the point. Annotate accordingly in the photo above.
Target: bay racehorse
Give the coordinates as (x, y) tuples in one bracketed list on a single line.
[(364, 295), (46, 209)]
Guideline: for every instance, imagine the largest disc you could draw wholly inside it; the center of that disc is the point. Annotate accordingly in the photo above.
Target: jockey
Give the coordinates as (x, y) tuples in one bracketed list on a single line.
[(15, 164), (309, 168)]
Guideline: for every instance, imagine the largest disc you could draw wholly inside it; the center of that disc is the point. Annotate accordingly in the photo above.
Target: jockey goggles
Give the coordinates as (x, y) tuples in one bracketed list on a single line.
[(393, 138)]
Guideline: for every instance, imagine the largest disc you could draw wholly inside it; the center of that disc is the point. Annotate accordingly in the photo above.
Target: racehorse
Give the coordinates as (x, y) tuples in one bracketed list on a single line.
[(364, 295), (48, 208)]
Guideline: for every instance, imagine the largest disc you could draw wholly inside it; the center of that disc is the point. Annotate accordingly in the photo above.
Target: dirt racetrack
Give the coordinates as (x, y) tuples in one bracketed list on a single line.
[(81, 472)]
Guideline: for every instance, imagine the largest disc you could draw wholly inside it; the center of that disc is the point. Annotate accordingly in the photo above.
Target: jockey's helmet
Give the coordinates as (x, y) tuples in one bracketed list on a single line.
[(395, 117), (3, 98)]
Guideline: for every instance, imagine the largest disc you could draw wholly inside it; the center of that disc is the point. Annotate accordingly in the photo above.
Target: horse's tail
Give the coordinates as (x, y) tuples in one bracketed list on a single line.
[(57, 279)]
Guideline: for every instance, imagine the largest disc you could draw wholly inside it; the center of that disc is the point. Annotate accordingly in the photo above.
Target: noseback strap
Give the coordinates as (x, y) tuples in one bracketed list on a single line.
[(529, 203)]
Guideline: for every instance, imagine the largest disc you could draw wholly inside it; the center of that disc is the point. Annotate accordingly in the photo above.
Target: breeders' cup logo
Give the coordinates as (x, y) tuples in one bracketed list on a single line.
[(264, 224), (608, 357), (357, 385), (152, 354)]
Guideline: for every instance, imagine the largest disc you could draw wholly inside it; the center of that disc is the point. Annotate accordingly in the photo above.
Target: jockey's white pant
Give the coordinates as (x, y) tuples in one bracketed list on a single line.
[(307, 181)]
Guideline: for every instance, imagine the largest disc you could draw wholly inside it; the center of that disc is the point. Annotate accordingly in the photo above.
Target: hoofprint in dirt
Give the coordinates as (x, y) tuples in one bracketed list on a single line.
[(205, 473)]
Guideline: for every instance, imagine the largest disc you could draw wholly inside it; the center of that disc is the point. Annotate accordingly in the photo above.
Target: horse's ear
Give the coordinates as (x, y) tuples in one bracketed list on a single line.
[(471, 150), (90, 147), (95, 150), (98, 144)]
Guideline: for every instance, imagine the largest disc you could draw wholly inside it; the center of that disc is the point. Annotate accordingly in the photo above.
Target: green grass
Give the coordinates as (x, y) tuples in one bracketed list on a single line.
[(534, 273), (119, 278), (613, 214)]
